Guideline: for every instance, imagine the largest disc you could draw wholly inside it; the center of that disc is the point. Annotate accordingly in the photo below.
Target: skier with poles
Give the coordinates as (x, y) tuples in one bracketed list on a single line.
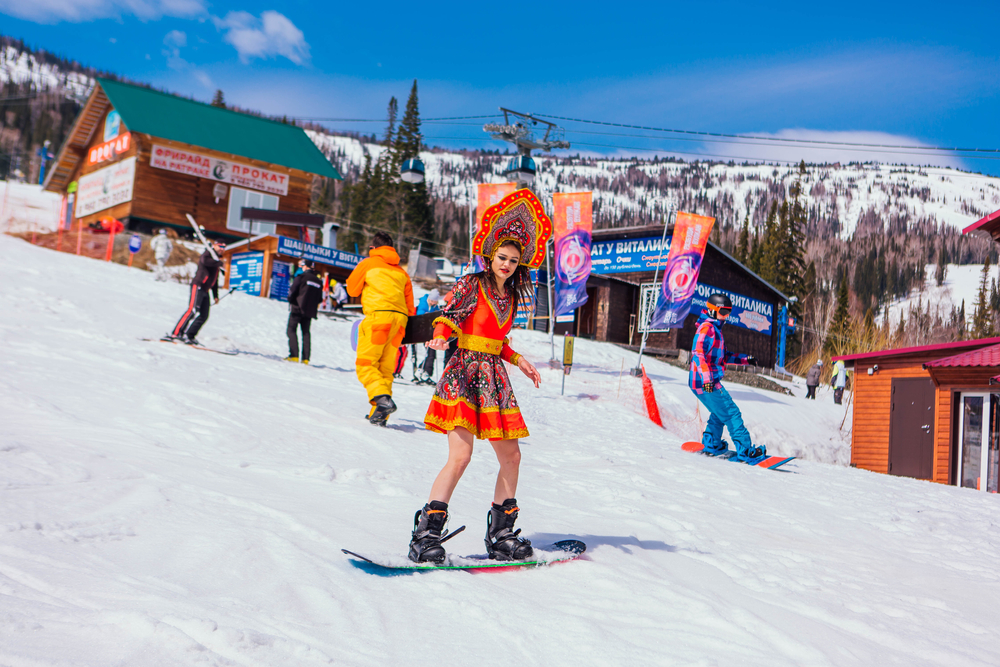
[(387, 302), (474, 398), (708, 365), (205, 279)]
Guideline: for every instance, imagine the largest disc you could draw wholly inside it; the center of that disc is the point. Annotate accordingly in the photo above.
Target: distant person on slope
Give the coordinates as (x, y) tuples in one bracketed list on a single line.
[(387, 302), (205, 279), (337, 294), (708, 365), (812, 378), (839, 381), (162, 247), (303, 301), (428, 303)]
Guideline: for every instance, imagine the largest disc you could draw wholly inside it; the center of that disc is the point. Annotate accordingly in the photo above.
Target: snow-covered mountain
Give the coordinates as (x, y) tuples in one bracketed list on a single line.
[(842, 198), (21, 67)]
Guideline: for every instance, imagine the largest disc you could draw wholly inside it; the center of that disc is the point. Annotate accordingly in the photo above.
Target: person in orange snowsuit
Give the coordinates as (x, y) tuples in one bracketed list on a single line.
[(387, 302)]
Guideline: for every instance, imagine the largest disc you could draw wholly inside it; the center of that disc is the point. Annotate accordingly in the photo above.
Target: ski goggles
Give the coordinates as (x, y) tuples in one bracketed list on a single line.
[(720, 312)]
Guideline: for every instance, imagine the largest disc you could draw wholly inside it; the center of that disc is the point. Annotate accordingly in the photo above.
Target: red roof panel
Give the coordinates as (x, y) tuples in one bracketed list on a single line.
[(922, 349), (986, 356), (985, 220)]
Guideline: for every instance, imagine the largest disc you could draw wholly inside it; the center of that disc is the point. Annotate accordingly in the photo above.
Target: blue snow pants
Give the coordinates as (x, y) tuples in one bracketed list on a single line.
[(723, 413)]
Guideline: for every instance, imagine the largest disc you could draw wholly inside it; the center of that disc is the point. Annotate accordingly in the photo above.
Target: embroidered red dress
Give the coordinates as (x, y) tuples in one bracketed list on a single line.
[(475, 391)]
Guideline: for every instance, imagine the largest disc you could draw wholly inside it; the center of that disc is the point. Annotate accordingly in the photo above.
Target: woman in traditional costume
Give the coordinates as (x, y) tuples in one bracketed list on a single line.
[(474, 398)]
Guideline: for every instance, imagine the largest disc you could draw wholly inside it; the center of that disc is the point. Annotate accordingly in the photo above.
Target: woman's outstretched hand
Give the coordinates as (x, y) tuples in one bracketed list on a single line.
[(438, 344), (529, 370)]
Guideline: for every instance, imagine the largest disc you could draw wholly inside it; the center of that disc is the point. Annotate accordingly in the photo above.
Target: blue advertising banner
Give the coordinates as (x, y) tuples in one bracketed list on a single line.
[(628, 255), (317, 253), (246, 272), (747, 313)]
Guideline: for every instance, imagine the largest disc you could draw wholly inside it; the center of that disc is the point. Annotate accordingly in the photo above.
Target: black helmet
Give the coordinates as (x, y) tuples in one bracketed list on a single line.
[(719, 306)]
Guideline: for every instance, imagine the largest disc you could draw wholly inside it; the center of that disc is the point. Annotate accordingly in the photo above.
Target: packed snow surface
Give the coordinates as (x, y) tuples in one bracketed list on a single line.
[(163, 505)]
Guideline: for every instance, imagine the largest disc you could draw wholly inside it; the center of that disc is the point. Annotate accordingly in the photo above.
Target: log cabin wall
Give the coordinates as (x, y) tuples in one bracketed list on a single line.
[(121, 211), (950, 381), (872, 398)]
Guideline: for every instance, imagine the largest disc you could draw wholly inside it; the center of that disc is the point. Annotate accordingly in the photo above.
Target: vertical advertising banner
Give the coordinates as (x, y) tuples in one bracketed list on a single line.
[(680, 277), (573, 224)]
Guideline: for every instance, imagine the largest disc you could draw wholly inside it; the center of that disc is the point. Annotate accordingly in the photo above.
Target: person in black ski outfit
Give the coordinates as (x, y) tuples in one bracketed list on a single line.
[(206, 278), (304, 298)]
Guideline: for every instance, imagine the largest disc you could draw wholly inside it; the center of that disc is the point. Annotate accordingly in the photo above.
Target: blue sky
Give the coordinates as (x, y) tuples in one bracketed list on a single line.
[(888, 73)]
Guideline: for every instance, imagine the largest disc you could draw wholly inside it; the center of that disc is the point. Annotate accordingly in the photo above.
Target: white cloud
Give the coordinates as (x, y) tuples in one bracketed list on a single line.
[(174, 41), (80, 11), (273, 34), (176, 38)]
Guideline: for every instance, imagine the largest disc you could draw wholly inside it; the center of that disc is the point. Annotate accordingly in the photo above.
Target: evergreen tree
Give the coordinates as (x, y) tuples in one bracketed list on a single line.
[(743, 246), (219, 100), (755, 255), (942, 266), (982, 319), (417, 211), (841, 323)]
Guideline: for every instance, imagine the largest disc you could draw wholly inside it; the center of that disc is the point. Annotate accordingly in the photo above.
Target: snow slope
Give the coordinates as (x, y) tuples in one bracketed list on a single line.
[(161, 505), (28, 208), (961, 283)]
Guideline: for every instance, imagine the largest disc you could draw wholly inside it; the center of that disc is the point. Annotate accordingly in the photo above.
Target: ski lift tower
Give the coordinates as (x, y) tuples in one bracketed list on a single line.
[(521, 133), (521, 168)]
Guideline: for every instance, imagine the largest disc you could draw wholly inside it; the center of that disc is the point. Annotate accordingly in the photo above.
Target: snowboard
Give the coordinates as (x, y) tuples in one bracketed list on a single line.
[(420, 328), (770, 462), (354, 335), (197, 347), (559, 552)]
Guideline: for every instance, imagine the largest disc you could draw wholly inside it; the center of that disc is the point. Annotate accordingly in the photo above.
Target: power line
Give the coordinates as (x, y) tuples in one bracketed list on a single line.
[(772, 139), (384, 120)]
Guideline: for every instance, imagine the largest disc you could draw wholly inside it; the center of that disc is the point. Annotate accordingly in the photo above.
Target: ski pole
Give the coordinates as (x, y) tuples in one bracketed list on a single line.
[(227, 294)]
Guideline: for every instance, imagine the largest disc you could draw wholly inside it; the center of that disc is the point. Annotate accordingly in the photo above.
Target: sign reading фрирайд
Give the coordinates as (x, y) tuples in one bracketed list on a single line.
[(105, 187), (204, 166)]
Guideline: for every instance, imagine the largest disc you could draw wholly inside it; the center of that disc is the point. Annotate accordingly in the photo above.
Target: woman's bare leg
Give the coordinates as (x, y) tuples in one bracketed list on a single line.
[(460, 443), (509, 456)]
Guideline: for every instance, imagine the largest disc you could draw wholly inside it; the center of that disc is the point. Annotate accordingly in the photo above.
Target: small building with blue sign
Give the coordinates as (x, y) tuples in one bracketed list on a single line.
[(621, 294), (264, 265)]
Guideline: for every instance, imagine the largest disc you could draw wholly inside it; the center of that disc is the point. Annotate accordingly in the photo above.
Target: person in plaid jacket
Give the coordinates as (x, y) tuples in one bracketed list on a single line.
[(708, 365)]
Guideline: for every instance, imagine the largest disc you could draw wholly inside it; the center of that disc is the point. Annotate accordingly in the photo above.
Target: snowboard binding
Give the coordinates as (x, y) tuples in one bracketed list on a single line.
[(501, 542), (428, 533)]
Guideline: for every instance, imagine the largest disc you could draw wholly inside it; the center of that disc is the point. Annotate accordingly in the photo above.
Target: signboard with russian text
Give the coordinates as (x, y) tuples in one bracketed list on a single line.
[(573, 223), (109, 149), (281, 280), (628, 255), (317, 253), (680, 276), (217, 169), (747, 313), (246, 272), (104, 188)]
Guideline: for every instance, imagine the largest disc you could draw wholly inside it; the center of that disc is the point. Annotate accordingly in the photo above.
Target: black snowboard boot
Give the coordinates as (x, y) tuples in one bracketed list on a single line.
[(501, 543), (428, 528), (383, 408)]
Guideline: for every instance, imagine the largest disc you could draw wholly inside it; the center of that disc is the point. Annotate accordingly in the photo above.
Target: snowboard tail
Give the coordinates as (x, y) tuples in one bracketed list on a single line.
[(565, 550), (197, 347), (769, 462)]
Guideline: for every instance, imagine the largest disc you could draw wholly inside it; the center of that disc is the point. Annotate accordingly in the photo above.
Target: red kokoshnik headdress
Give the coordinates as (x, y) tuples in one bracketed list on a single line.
[(518, 217)]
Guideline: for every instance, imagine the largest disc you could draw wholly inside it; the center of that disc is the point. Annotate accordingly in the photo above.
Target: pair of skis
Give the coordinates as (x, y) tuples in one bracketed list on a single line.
[(177, 341)]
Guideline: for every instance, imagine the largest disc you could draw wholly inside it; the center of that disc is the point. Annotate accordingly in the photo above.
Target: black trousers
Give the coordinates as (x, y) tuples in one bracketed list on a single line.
[(811, 393), (189, 325), (296, 320), (428, 366), (838, 395)]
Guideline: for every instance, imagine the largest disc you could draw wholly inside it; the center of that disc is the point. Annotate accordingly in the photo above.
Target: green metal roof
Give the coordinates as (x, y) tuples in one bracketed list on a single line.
[(171, 117)]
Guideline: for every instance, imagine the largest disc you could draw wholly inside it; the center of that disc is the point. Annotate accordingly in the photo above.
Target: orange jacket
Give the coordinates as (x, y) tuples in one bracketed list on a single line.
[(381, 284)]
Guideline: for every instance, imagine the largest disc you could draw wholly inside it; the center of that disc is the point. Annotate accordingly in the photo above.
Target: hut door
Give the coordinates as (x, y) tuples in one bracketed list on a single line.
[(911, 428), (979, 436)]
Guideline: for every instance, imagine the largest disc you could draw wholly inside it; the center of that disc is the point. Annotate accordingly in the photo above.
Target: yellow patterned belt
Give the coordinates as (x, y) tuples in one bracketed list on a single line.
[(480, 343)]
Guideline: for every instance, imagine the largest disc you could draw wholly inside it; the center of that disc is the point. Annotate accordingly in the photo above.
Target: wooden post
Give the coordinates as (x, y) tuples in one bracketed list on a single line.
[(265, 280)]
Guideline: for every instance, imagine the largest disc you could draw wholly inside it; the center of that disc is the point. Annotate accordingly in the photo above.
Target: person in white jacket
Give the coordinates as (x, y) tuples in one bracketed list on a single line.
[(162, 247), (839, 381)]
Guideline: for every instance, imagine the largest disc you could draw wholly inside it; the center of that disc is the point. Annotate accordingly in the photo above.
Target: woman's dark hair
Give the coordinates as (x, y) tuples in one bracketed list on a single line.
[(381, 239), (519, 285)]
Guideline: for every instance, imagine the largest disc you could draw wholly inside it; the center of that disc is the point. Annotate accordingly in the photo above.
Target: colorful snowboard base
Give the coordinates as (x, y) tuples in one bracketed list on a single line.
[(563, 551), (197, 347), (770, 462)]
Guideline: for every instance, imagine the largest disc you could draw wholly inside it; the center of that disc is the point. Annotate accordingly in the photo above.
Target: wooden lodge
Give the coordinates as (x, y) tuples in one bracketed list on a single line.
[(930, 412), (623, 284), (149, 158)]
